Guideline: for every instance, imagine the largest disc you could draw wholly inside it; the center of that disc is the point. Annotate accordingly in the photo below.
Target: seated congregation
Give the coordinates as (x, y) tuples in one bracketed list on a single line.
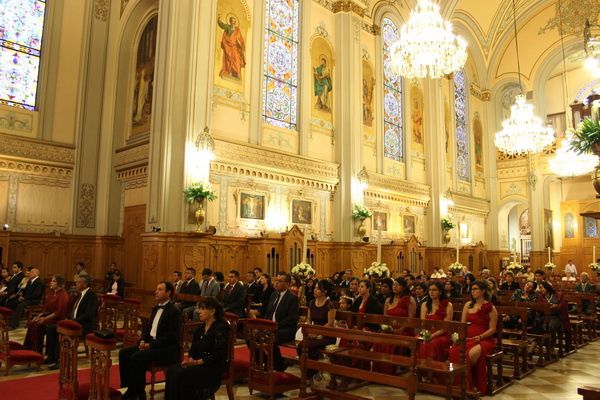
[(457, 337)]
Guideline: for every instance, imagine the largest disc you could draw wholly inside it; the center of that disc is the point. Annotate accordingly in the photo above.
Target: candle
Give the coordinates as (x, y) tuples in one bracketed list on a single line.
[(549, 257), (379, 245), (457, 253), (594, 254), (304, 245)]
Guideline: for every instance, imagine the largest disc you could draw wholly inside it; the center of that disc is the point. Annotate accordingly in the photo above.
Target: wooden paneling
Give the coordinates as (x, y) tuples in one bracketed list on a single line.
[(133, 226)]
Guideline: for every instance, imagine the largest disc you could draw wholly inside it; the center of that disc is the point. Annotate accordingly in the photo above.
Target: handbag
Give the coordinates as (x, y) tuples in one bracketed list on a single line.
[(104, 334)]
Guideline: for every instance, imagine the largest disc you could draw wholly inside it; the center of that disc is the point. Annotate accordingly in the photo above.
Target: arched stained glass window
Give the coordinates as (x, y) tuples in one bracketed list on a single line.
[(393, 133), (280, 63), (463, 158), (21, 28)]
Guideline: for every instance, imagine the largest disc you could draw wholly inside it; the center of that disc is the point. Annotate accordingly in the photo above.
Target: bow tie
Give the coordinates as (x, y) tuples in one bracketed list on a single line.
[(161, 307)]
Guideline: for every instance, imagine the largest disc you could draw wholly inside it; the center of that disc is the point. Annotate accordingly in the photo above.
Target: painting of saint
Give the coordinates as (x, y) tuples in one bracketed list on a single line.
[(233, 46), (379, 221), (478, 133), (323, 85), (368, 85), (409, 224), (416, 113), (252, 206), (144, 79), (569, 226), (549, 235), (301, 212)]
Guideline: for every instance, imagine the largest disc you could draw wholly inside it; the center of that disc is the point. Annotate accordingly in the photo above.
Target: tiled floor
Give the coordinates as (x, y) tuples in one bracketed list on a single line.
[(557, 381)]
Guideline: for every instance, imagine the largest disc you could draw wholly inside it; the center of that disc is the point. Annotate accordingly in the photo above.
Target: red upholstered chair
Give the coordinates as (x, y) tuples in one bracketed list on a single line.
[(260, 334), (13, 353), (69, 333), (130, 332), (99, 386)]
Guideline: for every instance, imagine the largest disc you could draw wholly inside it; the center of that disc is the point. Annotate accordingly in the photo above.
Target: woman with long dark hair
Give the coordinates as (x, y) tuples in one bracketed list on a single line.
[(468, 280), (366, 303), (421, 296), (266, 292), (559, 314), (482, 317), (400, 303), (201, 371), (438, 308), (385, 290), (320, 312)]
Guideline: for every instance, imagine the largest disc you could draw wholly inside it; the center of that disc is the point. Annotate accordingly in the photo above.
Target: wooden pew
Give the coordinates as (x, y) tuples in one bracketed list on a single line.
[(541, 341), (515, 340), (589, 392), (409, 382)]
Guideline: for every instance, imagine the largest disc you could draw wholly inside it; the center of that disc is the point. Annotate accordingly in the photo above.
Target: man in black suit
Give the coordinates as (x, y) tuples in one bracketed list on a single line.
[(253, 287), (12, 287), (85, 311), (283, 309), (234, 294), (190, 286), (159, 344), (31, 295), (347, 278)]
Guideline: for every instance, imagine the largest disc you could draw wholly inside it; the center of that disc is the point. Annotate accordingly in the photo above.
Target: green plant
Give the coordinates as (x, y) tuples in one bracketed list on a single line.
[(586, 135), (198, 192), (361, 212), (447, 223)]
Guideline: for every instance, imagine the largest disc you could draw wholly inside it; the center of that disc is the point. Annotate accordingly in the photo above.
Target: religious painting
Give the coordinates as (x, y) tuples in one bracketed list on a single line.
[(478, 135), (408, 224), (548, 234), (416, 113), (301, 212), (569, 226), (230, 54), (368, 87), (464, 230), (144, 79), (379, 221), (322, 69), (252, 206)]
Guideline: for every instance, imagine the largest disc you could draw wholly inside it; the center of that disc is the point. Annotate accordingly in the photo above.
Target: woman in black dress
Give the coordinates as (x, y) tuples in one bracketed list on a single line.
[(320, 312), (202, 369)]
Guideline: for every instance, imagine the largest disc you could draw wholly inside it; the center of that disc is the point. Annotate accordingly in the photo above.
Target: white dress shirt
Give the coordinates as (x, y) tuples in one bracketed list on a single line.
[(156, 320), (79, 302)]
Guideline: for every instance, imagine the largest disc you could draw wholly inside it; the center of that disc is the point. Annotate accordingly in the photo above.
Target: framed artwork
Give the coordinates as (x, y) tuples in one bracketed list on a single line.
[(569, 226), (408, 223), (379, 221), (548, 233), (302, 211), (252, 206), (464, 230)]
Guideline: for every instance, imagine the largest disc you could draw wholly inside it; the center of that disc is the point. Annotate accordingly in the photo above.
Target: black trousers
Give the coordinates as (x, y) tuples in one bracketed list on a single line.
[(184, 383), (133, 364), (19, 308)]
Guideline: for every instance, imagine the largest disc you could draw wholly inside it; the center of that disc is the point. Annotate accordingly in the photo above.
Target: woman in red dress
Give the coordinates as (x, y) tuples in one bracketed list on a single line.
[(400, 303), (436, 308), (482, 316), (56, 307)]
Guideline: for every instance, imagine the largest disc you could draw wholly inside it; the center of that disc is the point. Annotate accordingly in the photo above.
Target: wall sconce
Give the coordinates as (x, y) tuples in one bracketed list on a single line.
[(205, 144), (363, 178)]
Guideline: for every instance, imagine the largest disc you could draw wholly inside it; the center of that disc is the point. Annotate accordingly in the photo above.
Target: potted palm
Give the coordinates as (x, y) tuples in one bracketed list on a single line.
[(586, 139), (197, 193)]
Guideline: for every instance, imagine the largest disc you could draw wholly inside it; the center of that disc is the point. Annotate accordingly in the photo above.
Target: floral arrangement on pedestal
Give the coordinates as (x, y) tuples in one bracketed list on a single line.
[(197, 192), (378, 268), (595, 267), (456, 267), (303, 270), (515, 267), (550, 266), (361, 213), (448, 223)]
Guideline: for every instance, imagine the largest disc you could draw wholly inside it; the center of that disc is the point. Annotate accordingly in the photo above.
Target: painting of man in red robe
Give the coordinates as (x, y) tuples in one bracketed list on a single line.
[(233, 47)]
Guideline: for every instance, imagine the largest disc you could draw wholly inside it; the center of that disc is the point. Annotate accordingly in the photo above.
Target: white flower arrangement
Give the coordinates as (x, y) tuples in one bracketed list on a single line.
[(454, 338), (303, 270), (380, 269), (515, 267), (361, 212), (425, 335), (594, 267), (456, 267), (550, 266)]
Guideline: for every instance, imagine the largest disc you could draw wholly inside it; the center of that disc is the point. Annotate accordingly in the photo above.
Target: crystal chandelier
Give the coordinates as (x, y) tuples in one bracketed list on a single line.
[(523, 132), (567, 163), (427, 45)]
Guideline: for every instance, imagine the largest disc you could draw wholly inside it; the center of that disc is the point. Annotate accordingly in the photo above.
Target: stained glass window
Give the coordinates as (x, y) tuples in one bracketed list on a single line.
[(590, 227), (393, 135), (280, 63), (463, 158), (21, 28)]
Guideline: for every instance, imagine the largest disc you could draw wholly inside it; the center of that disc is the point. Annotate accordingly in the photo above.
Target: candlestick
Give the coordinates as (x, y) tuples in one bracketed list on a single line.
[(549, 256), (593, 254), (456, 253), (304, 245), (379, 245)]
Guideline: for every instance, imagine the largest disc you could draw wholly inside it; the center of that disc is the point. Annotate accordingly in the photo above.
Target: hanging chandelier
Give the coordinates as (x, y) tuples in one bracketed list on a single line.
[(567, 163), (427, 45), (522, 132)]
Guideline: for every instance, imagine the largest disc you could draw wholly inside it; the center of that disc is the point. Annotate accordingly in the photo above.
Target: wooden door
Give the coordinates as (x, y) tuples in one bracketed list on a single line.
[(133, 226)]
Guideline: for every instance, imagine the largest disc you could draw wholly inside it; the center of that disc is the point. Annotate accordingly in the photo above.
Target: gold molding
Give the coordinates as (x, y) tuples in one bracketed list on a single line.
[(470, 205), (384, 187), (481, 94), (35, 168), (101, 10), (348, 6), (37, 150)]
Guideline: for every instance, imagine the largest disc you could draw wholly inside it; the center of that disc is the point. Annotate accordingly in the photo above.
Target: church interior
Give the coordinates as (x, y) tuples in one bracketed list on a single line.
[(234, 134)]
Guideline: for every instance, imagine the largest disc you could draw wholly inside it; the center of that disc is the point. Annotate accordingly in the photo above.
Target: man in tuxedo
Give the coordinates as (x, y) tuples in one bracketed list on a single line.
[(85, 312), (347, 278), (32, 294), (12, 287), (190, 286), (159, 344), (283, 309), (585, 286), (253, 287), (209, 287), (234, 294)]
